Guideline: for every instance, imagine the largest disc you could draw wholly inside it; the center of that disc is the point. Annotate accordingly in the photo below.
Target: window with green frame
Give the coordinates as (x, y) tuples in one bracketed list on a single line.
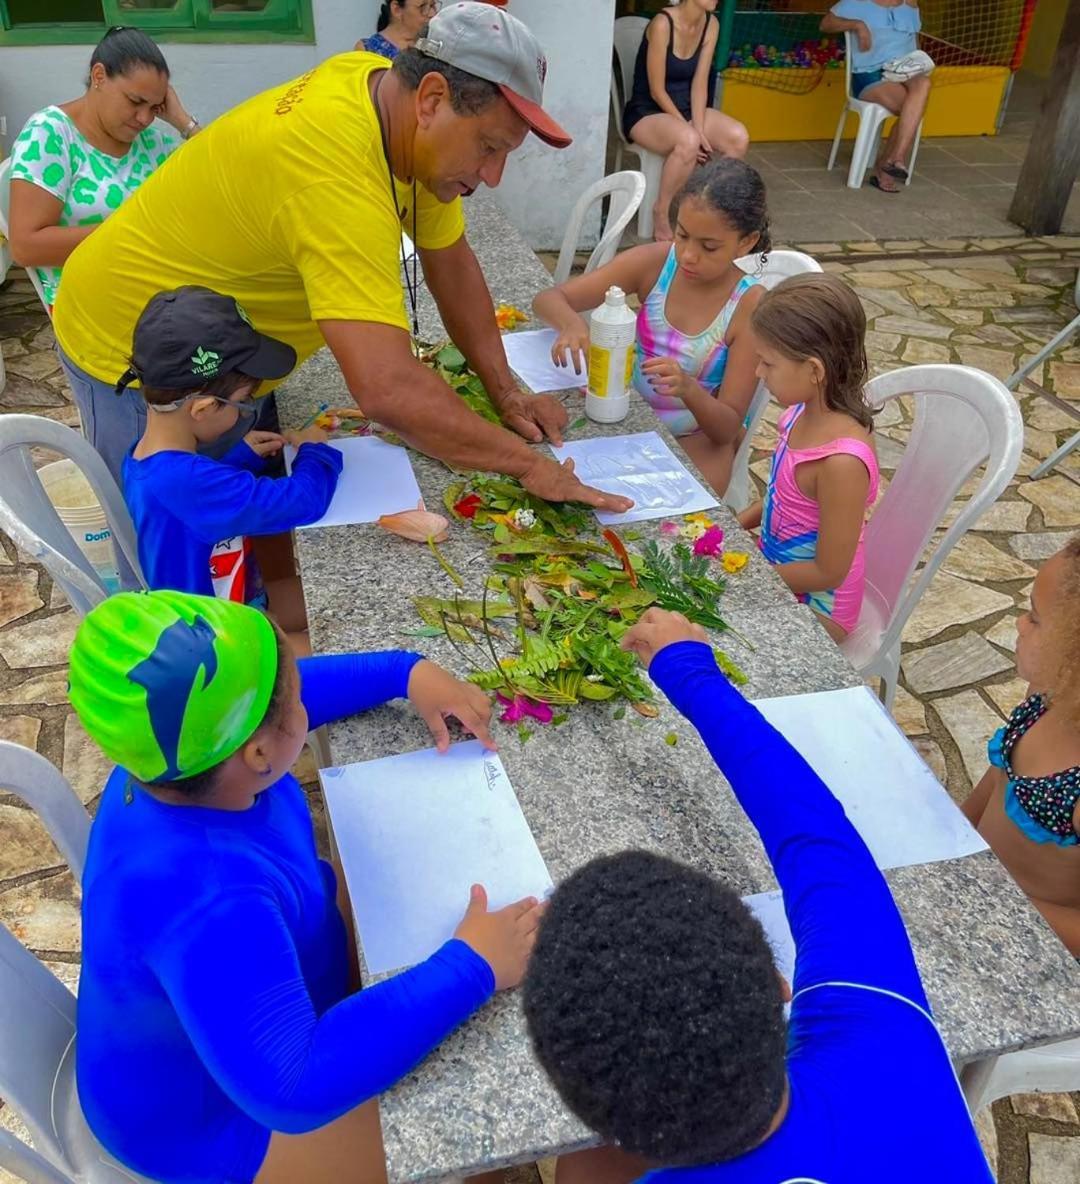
[(58, 22)]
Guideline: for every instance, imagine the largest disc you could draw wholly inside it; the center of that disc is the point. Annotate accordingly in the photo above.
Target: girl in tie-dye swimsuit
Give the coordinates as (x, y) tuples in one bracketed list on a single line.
[(824, 477), (695, 358)]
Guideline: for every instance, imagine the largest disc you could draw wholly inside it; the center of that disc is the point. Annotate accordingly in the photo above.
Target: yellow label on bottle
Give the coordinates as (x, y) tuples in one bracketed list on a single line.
[(599, 365), (628, 376)]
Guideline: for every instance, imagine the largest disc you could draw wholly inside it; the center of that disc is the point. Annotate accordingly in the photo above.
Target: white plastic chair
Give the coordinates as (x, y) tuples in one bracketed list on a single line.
[(5, 209), (625, 189), (872, 117), (1013, 381), (629, 30), (37, 1020), (963, 418), (778, 266), (1051, 1069), (31, 521)]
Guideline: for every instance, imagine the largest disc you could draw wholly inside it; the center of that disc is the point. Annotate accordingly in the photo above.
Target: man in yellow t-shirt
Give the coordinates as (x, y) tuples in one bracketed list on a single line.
[(294, 202)]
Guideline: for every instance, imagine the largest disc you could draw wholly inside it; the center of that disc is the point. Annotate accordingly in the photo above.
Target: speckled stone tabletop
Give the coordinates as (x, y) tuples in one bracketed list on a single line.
[(996, 976)]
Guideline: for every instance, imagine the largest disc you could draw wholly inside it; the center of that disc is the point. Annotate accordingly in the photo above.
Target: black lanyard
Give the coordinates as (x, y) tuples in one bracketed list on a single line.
[(412, 286)]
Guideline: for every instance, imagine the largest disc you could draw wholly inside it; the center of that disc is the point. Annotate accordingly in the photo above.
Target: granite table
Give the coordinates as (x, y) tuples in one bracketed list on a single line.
[(996, 975)]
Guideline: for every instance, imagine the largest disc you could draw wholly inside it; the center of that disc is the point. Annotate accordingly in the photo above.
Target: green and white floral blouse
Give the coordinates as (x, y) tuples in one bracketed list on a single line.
[(52, 153)]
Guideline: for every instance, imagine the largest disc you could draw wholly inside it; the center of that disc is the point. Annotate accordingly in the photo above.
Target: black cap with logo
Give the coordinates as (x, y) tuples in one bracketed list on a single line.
[(187, 337)]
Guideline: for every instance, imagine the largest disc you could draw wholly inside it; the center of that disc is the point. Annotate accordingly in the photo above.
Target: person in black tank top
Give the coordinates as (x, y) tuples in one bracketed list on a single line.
[(670, 110)]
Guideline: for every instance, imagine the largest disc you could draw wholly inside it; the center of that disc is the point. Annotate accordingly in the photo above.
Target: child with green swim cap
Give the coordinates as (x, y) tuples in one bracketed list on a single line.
[(200, 361), (215, 1018)]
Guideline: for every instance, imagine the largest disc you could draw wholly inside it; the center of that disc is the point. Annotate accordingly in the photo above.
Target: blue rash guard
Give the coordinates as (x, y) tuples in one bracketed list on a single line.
[(862, 1046), (184, 505), (213, 1001)]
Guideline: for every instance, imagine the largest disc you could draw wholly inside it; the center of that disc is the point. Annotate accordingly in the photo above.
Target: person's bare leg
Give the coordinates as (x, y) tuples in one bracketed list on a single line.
[(891, 96), (714, 461), (274, 555), (678, 143), (727, 136), (601, 1165), (837, 632), (286, 602), (902, 139), (348, 1150)]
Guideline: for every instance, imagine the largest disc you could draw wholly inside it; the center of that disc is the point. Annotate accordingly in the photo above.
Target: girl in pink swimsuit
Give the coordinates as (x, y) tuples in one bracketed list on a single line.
[(810, 334)]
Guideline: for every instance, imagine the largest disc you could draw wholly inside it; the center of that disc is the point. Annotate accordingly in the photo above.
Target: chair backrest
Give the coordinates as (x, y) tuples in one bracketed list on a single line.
[(29, 517), (849, 45), (625, 189), (37, 1020), (5, 208), (962, 418), (629, 31), (778, 266)]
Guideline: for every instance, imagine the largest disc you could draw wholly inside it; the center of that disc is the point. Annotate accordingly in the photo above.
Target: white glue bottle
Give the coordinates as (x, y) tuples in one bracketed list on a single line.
[(611, 359)]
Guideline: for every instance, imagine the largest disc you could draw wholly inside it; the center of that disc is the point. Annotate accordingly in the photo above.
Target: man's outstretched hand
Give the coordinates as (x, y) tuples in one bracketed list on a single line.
[(555, 482), (535, 417)]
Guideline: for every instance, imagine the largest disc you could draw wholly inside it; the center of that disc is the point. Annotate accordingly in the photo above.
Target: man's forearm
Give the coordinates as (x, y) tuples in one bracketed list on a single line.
[(465, 305)]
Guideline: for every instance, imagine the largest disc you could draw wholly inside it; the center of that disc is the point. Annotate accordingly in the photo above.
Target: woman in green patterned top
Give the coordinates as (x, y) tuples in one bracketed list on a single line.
[(73, 164)]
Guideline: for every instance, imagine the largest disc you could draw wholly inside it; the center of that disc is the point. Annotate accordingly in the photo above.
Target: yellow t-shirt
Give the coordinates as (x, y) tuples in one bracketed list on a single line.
[(283, 203)]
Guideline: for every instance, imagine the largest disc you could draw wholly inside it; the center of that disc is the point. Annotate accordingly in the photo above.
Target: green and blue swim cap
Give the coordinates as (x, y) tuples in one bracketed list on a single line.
[(169, 684)]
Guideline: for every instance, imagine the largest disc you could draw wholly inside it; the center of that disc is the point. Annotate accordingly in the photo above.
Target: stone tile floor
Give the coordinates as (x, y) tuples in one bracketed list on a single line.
[(986, 302)]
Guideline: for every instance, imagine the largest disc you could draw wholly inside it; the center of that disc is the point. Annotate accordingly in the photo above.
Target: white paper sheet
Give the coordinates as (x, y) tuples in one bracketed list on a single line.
[(415, 832), (894, 801), (377, 479), (407, 248), (768, 907), (642, 467), (529, 355)]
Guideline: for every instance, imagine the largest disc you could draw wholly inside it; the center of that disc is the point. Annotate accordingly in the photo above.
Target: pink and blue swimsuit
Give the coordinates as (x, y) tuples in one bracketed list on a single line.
[(790, 522), (703, 355)]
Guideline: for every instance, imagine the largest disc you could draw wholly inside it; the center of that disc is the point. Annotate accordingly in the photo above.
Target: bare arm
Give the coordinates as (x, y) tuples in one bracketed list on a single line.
[(560, 307), (658, 35), (467, 311), (974, 805), (36, 239), (750, 518), (392, 387), (699, 88), (842, 486), (831, 23)]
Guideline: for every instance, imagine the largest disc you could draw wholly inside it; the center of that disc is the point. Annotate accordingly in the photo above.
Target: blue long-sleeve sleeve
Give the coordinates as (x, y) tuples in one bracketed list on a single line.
[(243, 456), (336, 685), (259, 1035), (235, 501), (843, 919)]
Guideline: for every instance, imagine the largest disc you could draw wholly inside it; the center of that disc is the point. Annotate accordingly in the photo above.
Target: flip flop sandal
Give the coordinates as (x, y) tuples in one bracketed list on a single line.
[(895, 170), (878, 185)]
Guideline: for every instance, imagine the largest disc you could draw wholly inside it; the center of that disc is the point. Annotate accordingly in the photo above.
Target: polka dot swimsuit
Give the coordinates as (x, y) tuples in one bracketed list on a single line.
[(1042, 807)]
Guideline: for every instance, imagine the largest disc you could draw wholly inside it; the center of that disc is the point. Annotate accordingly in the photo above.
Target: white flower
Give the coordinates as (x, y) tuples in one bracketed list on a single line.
[(524, 518)]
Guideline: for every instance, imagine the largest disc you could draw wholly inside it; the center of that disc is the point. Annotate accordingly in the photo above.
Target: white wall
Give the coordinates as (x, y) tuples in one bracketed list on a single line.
[(540, 184)]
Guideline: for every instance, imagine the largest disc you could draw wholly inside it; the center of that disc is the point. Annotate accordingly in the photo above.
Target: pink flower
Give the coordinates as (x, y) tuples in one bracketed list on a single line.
[(669, 527), (520, 707), (710, 543), (418, 525)]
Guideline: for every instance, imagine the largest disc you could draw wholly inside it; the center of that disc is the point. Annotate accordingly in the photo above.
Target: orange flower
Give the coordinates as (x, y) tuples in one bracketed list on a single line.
[(509, 317), (419, 525), (734, 561)]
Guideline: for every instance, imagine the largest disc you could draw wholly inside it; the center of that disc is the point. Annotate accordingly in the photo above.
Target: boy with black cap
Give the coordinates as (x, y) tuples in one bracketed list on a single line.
[(199, 362)]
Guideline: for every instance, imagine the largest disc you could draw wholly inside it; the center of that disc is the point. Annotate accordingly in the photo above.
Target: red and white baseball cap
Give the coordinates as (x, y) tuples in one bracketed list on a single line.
[(489, 43)]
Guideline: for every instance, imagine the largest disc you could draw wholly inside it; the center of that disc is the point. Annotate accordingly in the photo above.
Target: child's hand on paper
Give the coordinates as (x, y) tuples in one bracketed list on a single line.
[(504, 939), (658, 629), (264, 443), (309, 435), (436, 693), (667, 377)]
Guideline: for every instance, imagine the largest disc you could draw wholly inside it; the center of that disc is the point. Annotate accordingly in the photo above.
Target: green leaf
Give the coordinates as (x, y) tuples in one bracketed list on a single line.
[(671, 739), (423, 631), (450, 357), (619, 713), (502, 533), (578, 423), (595, 690), (524, 734), (558, 719)]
